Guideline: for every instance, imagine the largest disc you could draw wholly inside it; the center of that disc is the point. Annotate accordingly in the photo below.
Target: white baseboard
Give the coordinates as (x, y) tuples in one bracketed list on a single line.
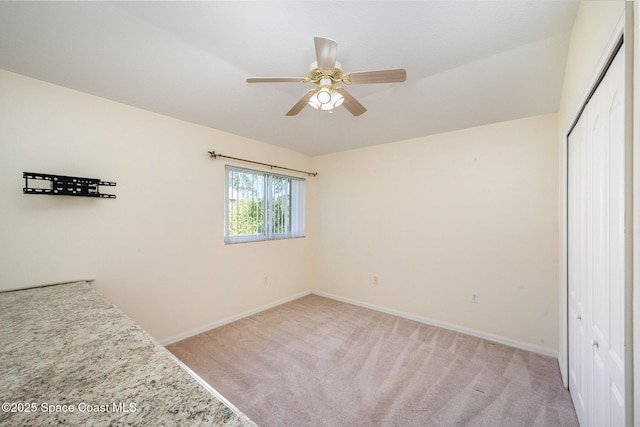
[(222, 322), (483, 335), (478, 334)]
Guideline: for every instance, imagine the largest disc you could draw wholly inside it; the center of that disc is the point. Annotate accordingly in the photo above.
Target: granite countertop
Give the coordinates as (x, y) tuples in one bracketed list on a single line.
[(69, 357)]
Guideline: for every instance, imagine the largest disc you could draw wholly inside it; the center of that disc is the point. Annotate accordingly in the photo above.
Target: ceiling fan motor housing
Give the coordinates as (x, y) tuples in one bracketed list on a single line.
[(316, 74)]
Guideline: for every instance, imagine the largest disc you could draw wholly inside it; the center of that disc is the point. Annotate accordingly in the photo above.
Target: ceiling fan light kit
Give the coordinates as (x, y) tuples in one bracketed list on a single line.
[(325, 72), (326, 97)]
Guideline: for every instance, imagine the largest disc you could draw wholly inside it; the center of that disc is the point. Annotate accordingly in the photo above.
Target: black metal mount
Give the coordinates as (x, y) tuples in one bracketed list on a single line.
[(62, 185)]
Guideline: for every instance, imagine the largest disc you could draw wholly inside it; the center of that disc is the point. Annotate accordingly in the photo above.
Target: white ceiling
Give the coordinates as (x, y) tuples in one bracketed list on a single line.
[(468, 62)]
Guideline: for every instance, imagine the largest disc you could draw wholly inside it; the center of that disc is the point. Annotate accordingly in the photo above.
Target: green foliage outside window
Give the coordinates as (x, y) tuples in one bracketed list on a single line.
[(246, 217)]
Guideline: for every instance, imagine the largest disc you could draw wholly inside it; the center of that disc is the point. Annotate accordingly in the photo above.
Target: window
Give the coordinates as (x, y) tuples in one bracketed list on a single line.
[(262, 206)]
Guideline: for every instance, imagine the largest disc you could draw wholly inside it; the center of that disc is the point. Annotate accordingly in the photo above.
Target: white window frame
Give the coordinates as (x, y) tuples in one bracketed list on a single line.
[(296, 214)]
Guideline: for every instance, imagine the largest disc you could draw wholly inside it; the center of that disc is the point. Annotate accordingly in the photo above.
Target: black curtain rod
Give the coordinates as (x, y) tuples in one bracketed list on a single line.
[(215, 156)]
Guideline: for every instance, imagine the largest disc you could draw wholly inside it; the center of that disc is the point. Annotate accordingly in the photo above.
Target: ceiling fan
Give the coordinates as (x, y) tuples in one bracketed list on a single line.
[(325, 72)]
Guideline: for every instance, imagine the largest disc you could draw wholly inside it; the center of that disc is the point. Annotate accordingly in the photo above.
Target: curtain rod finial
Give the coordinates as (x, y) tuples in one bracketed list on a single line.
[(213, 154)]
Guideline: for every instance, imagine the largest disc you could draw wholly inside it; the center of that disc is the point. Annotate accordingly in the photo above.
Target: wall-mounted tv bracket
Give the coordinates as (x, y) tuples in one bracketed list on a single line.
[(61, 185)]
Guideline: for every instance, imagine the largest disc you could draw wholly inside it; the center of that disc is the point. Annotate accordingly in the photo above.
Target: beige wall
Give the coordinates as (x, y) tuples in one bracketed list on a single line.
[(156, 250), (592, 32), (437, 218)]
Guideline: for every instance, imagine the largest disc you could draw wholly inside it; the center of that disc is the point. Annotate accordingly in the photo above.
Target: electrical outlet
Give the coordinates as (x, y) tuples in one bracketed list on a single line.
[(474, 297), (375, 280), (265, 280)]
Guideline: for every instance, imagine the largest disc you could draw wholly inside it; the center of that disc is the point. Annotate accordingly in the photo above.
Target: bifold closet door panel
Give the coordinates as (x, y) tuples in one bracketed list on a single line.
[(607, 308), (578, 258)]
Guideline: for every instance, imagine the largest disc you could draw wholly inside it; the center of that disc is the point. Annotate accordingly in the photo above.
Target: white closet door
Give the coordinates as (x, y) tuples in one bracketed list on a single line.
[(597, 255), (579, 367), (606, 118)]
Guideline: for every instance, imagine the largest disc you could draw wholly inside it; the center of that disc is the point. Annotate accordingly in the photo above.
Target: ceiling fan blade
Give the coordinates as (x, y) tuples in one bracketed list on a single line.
[(326, 53), (350, 103), (380, 76), (300, 104), (276, 79)]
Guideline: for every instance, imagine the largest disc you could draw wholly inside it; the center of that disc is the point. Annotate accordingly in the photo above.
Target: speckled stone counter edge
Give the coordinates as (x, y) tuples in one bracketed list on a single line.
[(65, 347)]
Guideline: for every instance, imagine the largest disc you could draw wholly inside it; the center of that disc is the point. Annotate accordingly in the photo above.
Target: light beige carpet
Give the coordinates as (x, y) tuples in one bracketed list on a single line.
[(320, 362)]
